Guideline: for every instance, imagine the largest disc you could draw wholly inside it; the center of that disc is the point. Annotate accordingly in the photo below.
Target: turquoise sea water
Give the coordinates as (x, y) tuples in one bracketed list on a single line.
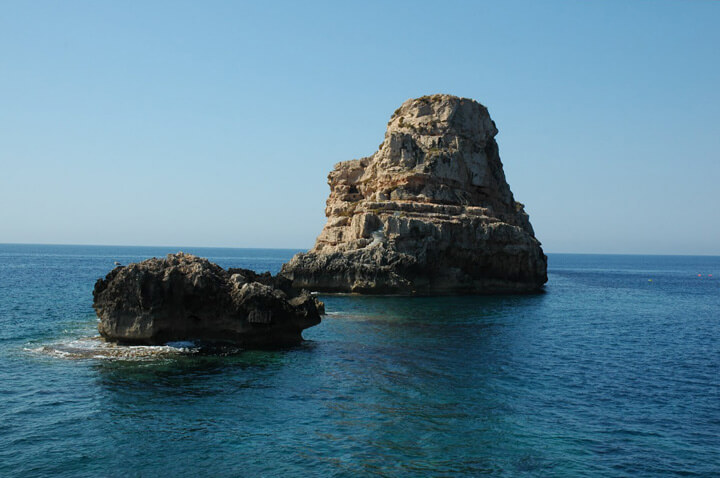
[(614, 371)]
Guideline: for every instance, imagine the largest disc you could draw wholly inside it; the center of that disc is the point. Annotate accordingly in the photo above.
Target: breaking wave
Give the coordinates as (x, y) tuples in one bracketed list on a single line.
[(97, 348)]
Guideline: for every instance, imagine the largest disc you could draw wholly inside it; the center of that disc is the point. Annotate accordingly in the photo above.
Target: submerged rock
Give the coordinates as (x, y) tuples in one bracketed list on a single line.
[(429, 212), (185, 297)]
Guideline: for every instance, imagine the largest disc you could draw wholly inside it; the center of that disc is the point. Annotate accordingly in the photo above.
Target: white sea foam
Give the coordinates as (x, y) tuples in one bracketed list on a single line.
[(97, 348), (352, 316)]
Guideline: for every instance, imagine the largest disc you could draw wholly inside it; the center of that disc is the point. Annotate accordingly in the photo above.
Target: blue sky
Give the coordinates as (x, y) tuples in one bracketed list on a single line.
[(216, 123)]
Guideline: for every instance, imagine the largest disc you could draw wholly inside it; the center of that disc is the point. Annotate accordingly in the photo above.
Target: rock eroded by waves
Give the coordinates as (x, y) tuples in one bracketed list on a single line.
[(429, 212), (184, 297)]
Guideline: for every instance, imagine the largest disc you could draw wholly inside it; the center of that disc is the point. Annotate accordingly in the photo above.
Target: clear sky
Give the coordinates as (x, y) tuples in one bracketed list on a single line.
[(216, 123)]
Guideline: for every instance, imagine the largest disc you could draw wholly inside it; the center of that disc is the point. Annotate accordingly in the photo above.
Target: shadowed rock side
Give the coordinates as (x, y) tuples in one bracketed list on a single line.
[(430, 212), (184, 297)]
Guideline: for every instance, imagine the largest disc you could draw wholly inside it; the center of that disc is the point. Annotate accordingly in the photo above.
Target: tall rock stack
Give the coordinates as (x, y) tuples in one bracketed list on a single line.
[(430, 212)]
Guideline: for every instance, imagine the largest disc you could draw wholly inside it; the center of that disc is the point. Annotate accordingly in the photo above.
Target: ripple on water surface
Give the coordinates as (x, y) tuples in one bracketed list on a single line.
[(607, 374)]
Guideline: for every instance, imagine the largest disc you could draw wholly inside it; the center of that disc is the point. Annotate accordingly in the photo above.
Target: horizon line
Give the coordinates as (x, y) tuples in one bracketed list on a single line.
[(305, 249)]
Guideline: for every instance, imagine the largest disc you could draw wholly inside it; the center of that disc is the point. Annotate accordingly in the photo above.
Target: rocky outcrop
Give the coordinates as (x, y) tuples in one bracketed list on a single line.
[(184, 297), (429, 212)]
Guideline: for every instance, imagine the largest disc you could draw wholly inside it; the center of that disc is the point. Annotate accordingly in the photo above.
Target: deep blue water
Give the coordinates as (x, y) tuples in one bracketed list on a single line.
[(614, 371)]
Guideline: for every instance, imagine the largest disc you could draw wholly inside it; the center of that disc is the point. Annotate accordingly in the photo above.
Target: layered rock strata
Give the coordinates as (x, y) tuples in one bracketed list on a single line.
[(184, 297), (430, 212)]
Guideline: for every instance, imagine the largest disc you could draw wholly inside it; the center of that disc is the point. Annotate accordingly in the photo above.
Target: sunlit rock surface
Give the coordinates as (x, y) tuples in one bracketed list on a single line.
[(429, 212)]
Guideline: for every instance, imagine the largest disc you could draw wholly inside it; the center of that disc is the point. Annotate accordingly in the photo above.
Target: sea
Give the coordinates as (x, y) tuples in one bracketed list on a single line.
[(613, 371)]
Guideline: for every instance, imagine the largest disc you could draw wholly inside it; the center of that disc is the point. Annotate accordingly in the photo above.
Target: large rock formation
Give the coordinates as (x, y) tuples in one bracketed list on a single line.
[(429, 212), (184, 297)]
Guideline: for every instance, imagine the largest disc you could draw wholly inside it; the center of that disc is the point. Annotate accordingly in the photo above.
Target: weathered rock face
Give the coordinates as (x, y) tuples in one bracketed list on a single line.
[(184, 297), (429, 212)]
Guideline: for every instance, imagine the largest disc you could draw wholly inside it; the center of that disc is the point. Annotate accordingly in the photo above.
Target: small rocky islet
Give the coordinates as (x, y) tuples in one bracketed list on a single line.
[(429, 213), (185, 297)]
